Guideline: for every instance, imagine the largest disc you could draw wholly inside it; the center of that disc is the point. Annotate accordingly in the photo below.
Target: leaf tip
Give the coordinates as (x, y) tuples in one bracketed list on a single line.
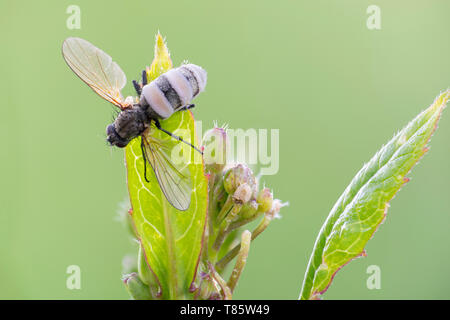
[(162, 61), (441, 100)]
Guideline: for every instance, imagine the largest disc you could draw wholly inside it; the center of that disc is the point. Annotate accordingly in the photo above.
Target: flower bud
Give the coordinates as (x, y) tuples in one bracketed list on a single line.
[(242, 194), (238, 175), (215, 150), (265, 200), (215, 296), (207, 287), (249, 209), (137, 289)]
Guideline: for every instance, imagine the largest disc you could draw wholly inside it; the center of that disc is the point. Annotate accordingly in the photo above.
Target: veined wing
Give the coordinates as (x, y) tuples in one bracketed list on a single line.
[(96, 69), (173, 175)]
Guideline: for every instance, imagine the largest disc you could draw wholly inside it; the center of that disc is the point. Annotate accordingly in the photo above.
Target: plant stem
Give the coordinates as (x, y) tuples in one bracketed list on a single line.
[(223, 285), (225, 209), (224, 230), (232, 254), (246, 239)]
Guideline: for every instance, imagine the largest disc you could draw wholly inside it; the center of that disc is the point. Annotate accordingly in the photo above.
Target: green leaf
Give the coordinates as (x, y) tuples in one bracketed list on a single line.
[(363, 205), (171, 239)]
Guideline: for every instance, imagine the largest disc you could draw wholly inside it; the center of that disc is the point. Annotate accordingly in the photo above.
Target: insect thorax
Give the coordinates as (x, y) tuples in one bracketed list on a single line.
[(129, 124)]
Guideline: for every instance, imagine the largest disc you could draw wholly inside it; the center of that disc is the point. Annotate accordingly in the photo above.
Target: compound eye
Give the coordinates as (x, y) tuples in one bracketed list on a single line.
[(113, 137), (110, 130)]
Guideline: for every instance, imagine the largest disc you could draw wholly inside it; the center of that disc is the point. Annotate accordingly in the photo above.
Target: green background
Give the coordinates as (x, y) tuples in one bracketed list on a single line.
[(336, 90)]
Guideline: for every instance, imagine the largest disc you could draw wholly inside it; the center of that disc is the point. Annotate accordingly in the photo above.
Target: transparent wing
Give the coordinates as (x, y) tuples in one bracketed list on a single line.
[(96, 68), (173, 175)]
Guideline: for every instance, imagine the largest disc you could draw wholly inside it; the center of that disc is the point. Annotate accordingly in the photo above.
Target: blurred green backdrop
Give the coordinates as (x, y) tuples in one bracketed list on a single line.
[(336, 90)]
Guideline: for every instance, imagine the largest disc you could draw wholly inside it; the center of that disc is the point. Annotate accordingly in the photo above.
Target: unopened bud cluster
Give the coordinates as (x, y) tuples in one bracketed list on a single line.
[(234, 201)]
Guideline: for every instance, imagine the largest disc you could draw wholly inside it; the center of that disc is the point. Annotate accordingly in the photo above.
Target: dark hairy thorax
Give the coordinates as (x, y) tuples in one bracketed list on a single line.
[(129, 124)]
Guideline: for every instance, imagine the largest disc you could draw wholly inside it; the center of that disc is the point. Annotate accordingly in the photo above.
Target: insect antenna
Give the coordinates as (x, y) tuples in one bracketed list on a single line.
[(158, 125)]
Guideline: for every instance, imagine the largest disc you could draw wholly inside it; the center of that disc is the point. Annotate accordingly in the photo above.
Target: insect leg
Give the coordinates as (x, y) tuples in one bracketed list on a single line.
[(144, 77), (158, 125), (186, 107), (145, 159), (136, 84), (137, 87)]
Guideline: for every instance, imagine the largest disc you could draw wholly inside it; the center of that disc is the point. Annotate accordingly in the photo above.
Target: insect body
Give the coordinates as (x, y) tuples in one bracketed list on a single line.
[(170, 92), (159, 99)]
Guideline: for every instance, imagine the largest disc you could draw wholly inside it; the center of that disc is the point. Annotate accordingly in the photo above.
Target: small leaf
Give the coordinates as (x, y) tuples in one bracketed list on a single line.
[(363, 205), (171, 239), (162, 61)]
